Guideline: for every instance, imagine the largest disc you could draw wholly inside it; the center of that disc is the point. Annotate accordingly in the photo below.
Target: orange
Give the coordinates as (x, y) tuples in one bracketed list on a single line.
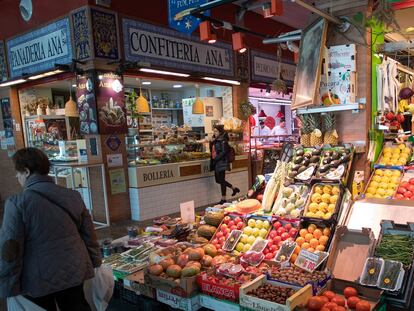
[(323, 240), (317, 233), (320, 248), (303, 232), (293, 258), (311, 228), (305, 245), (308, 237), (326, 231), (297, 249), (314, 243), (310, 249), (300, 240)]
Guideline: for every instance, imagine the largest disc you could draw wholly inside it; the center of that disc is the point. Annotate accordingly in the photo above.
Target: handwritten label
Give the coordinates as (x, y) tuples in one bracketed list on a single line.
[(307, 261), (114, 160), (187, 212)]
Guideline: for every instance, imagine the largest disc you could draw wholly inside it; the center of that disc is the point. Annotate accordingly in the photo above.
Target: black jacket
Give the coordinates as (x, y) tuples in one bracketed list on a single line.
[(221, 162)]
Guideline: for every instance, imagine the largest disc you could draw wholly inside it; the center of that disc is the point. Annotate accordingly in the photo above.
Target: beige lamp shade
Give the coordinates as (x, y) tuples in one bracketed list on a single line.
[(70, 108), (141, 105), (198, 106)]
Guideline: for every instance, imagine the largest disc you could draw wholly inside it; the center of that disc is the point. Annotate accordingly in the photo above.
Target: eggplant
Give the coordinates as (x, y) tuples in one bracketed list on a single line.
[(298, 160)]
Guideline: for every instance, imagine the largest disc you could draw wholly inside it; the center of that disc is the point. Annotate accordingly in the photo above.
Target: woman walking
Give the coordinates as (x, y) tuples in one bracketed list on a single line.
[(219, 161), (48, 246)]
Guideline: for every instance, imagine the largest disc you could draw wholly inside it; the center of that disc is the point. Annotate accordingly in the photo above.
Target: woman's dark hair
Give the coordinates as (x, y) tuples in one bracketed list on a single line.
[(33, 159), (220, 128)]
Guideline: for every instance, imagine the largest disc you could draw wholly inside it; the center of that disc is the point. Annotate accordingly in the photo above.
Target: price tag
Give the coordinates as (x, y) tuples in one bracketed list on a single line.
[(187, 212), (307, 261)]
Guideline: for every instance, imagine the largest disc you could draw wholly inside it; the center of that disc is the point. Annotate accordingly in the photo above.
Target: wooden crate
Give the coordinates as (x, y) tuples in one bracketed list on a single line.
[(299, 299)]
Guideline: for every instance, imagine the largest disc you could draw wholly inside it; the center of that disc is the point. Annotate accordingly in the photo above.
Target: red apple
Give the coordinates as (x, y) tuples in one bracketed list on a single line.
[(269, 256), (412, 198), (226, 219), (222, 239), (280, 243), (269, 243), (399, 196), (215, 241), (411, 181), (288, 226), (272, 234), (277, 239), (273, 248), (285, 236), (227, 231), (223, 226), (281, 230), (265, 251), (408, 194), (293, 232), (277, 225), (234, 227), (401, 190), (237, 220), (240, 225), (231, 223), (410, 188), (404, 184), (219, 234)]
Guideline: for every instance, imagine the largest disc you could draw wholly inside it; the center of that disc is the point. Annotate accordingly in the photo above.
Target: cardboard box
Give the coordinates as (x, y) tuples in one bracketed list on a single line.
[(177, 302), (217, 304), (136, 283), (300, 298), (185, 287), (220, 291)]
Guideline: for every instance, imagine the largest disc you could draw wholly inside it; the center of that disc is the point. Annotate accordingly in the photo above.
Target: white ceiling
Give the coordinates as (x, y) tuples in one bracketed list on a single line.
[(157, 84)]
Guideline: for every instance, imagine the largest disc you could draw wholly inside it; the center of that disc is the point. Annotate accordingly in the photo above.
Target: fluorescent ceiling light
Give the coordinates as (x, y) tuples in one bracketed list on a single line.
[(73, 85), (162, 72), (222, 80), (146, 83), (177, 86), (12, 82), (276, 102), (45, 74)]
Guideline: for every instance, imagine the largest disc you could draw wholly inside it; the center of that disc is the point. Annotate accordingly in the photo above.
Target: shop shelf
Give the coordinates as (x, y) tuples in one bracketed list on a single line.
[(333, 108)]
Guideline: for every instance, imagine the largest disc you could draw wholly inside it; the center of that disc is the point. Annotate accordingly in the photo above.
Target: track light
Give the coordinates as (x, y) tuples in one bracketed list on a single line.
[(206, 34), (276, 7), (238, 42), (267, 13)]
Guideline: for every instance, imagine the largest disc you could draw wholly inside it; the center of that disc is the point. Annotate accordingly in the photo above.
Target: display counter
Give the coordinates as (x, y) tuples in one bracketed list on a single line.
[(158, 190)]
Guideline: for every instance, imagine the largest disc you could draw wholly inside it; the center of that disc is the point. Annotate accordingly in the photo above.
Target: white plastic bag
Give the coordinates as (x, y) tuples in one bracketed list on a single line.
[(19, 303), (99, 290)]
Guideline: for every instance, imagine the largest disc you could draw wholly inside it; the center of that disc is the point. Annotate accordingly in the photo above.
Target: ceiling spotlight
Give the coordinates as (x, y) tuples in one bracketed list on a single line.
[(206, 33), (177, 86), (238, 42), (146, 83), (276, 7)]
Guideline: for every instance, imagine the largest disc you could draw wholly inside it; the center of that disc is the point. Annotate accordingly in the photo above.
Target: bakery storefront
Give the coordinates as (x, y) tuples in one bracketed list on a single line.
[(175, 92)]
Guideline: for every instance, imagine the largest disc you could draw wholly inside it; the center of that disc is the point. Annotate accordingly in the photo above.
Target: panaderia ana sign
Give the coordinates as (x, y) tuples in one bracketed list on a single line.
[(40, 49), (167, 48)]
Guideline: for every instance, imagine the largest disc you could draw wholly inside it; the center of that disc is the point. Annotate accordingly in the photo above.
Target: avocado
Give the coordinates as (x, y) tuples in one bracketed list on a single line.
[(326, 160), (327, 154), (308, 155), (296, 167), (314, 159), (298, 160), (345, 158), (335, 155), (316, 152), (335, 163), (299, 152), (306, 162), (323, 168), (293, 174), (301, 169)]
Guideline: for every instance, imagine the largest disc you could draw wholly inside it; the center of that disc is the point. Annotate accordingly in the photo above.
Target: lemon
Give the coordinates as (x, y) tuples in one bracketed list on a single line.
[(385, 179), (318, 189), (379, 172), (239, 247), (369, 195), (251, 223), (313, 207), (266, 224), (316, 198), (335, 190), (380, 191), (262, 233), (246, 247), (331, 207), (323, 206), (374, 184), (251, 239), (334, 198), (319, 214), (378, 196), (406, 151), (383, 185), (310, 214), (401, 146), (256, 231), (327, 216), (259, 224), (327, 189), (371, 190), (388, 173), (244, 239), (377, 178), (248, 230), (389, 192), (392, 185), (387, 155), (326, 197), (395, 179), (387, 149), (396, 173)]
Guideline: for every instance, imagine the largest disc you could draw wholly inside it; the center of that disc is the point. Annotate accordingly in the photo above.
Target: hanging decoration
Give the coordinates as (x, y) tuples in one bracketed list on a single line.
[(70, 107), (141, 104), (246, 109), (279, 85), (280, 115), (262, 114)]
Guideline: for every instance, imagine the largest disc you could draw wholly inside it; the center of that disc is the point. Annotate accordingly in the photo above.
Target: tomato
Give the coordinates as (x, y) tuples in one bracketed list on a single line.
[(237, 220), (285, 236), (408, 194), (329, 294), (293, 232), (399, 196), (339, 301), (410, 188), (401, 190), (330, 305), (324, 299), (352, 302), (339, 308), (277, 225), (411, 181), (281, 230), (277, 239), (269, 256), (363, 306), (350, 291), (315, 304), (226, 219)]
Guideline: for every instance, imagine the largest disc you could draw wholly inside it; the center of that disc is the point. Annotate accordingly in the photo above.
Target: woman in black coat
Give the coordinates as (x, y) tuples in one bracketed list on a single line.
[(219, 161)]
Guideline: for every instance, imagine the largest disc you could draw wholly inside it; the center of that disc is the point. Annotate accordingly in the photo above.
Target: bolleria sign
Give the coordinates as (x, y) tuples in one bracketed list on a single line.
[(167, 48)]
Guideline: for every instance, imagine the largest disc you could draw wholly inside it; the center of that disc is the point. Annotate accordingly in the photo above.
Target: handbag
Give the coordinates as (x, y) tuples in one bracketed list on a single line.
[(20, 303)]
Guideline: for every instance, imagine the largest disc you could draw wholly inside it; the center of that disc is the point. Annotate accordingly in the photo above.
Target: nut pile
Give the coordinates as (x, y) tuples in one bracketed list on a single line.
[(297, 276), (272, 293)]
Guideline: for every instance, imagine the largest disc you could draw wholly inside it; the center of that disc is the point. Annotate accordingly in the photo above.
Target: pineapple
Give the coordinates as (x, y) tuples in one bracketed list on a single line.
[(316, 137), (305, 131), (329, 124)]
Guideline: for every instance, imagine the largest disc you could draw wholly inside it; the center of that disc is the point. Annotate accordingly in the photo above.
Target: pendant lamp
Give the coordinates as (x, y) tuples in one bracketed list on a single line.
[(198, 106), (70, 106), (141, 104), (262, 114), (280, 115)]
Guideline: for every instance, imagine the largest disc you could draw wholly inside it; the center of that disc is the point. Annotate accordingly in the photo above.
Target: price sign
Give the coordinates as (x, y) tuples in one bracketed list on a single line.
[(187, 212), (307, 261)]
